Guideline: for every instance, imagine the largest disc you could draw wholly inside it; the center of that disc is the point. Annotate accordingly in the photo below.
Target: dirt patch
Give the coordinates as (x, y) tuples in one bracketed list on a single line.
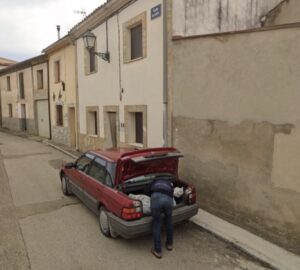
[(56, 163)]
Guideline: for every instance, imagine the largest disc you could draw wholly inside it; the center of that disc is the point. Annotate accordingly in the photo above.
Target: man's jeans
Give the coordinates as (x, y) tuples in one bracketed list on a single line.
[(161, 203)]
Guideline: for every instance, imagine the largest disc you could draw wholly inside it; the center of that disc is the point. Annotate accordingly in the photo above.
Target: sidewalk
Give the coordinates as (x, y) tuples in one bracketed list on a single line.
[(277, 257)]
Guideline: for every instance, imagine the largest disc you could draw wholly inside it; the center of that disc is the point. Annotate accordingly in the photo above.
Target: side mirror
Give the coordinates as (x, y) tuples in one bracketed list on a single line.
[(69, 165)]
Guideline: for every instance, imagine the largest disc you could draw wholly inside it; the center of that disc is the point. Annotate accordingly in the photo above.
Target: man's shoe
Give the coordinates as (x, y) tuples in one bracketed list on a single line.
[(156, 254), (169, 247)]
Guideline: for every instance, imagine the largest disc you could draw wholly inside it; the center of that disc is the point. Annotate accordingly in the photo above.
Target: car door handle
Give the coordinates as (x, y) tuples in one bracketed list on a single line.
[(98, 189)]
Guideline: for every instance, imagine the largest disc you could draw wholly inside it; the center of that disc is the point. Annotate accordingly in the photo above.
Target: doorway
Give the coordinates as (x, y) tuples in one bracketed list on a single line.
[(43, 118), (72, 127), (23, 117)]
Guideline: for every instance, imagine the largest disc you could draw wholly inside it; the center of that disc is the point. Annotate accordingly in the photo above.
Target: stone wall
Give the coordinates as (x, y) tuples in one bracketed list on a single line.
[(60, 135), (16, 124)]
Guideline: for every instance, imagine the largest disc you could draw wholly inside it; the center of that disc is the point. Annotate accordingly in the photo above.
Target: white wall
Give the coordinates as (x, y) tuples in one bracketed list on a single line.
[(141, 80)]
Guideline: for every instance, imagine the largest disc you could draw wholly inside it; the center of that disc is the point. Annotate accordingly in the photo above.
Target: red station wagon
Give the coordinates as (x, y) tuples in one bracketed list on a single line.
[(103, 179)]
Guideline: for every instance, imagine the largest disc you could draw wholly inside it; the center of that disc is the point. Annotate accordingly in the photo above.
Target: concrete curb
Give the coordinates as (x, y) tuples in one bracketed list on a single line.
[(60, 149), (275, 256)]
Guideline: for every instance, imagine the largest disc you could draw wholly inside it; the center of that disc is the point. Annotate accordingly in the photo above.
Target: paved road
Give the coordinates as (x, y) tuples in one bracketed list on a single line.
[(41, 229)]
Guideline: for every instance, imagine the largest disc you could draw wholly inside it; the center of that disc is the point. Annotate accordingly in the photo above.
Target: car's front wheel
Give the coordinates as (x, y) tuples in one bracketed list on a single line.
[(65, 186)]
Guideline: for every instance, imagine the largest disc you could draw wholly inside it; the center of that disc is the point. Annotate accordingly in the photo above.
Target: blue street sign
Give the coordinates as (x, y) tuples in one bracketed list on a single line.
[(156, 12)]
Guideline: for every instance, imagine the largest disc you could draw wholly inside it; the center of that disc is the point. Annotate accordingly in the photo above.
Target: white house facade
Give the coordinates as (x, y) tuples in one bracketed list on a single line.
[(122, 101)]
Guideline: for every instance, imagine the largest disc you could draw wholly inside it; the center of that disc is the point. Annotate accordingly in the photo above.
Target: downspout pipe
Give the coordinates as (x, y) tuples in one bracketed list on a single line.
[(49, 108), (165, 73)]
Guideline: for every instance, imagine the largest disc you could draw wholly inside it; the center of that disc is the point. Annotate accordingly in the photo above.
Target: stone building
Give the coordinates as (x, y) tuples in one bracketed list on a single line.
[(62, 91), (24, 96), (236, 114)]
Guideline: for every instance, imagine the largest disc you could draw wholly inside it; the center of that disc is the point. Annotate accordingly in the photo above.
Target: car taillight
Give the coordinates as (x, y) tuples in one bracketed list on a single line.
[(133, 212), (190, 195)]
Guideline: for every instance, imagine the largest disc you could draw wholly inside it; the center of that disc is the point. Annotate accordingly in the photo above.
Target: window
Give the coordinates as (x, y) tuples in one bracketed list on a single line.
[(135, 124), (98, 170), (8, 83), (90, 63), (83, 162), (92, 121), (134, 38), (40, 79), (21, 85), (57, 71), (10, 110), (92, 60), (59, 115), (136, 42), (139, 127)]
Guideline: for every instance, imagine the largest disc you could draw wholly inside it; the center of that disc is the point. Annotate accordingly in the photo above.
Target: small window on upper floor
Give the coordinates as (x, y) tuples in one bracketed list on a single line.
[(21, 85), (136, 34), (40, 79), (57, 71), (8, 85), (90, 61), (135, 38)]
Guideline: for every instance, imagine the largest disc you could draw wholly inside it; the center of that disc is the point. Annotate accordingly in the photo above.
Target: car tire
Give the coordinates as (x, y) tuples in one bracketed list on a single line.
[(104, 224), (65, 186)]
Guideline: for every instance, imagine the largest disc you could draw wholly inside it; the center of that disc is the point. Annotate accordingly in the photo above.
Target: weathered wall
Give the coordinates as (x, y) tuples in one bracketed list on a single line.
[(236, 119), (62, 96), (201, 17), (287, 12), (13, 97)]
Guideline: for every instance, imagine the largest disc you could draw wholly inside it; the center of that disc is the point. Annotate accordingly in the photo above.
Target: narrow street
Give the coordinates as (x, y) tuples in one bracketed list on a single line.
[(42, 229)]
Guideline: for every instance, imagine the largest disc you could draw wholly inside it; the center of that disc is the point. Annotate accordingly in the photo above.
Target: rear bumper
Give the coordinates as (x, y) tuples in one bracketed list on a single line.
[(135, 228)]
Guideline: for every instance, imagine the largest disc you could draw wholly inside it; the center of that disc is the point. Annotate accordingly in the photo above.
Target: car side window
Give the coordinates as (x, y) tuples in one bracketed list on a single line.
[(98, 170), (83, 163), (111, 170)]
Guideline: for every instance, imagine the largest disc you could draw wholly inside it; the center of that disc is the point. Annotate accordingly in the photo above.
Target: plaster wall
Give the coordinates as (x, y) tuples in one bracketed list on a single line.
[(236, 119), (193, 17), (13, 96), (287, 12), (119, 84), (42, 93), (59, 95)]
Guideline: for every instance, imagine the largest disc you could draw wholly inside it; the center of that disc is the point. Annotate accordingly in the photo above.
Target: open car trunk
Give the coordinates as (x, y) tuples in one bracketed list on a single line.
[(144, 188)]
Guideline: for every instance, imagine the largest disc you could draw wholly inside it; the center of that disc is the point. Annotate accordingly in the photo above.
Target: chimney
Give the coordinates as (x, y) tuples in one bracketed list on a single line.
[(58, 31)]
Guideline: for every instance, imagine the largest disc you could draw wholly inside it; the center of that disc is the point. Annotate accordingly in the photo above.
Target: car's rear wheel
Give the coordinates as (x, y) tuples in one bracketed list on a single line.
[(65, 186), (103, 222)]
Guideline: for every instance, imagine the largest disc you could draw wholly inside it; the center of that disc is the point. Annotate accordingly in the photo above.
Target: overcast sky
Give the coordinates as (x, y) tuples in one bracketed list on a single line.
[(29, 26)]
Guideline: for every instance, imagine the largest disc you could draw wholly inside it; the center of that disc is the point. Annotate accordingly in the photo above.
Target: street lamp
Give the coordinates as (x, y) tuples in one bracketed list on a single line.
[(89, 40)]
